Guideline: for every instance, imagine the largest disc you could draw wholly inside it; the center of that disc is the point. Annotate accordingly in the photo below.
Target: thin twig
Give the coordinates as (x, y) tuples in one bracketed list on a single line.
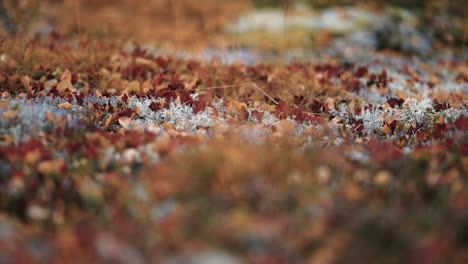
[(263, 92), (232, 86), (222, 87), (214, 87)]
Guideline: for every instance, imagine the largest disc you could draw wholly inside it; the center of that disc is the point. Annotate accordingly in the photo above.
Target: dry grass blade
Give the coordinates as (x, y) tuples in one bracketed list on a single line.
[(263, 92), (237, 85)]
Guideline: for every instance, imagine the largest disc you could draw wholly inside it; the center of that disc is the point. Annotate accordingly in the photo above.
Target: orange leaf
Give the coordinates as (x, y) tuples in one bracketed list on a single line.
[(50, 166), (26, 82), (9, 113), (108, 121), (4, 103), (65, 105)]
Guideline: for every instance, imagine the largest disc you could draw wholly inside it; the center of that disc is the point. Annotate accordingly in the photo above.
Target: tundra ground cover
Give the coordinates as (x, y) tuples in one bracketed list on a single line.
[(117, 152)]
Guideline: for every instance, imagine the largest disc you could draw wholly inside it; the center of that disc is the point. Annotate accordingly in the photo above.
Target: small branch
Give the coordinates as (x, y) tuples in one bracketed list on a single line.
[(263, 92), (235, 85)]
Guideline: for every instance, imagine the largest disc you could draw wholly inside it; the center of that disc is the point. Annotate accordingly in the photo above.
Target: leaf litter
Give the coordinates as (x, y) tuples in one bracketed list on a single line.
[(136, 156)]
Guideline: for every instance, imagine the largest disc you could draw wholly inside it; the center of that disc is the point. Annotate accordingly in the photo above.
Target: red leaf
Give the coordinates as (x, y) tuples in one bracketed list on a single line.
[(361, 71), (440, 129), (392, 102), (162, 62), (176, 84), (382, 151), (462, 123), (316, 106), (440, 106), (358, 126), (185, 97), (154, 106), (124, 98)]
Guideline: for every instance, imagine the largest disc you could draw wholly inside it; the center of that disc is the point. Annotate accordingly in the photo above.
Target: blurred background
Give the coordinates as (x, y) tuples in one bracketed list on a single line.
[(271, 24)]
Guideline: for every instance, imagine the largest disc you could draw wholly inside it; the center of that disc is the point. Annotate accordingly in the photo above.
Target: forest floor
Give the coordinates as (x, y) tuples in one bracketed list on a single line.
[(174, 133)]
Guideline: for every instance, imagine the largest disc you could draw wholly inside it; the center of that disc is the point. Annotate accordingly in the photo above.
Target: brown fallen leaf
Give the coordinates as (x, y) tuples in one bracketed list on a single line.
[(26, 82), (108, 120), (285, 126), (401, 94), (146, 86), (65, 105), (9, 113), (146, 62), (125, 122), (329, 103), (49, 116), (65, 82), (4, 103), (133, 86)]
